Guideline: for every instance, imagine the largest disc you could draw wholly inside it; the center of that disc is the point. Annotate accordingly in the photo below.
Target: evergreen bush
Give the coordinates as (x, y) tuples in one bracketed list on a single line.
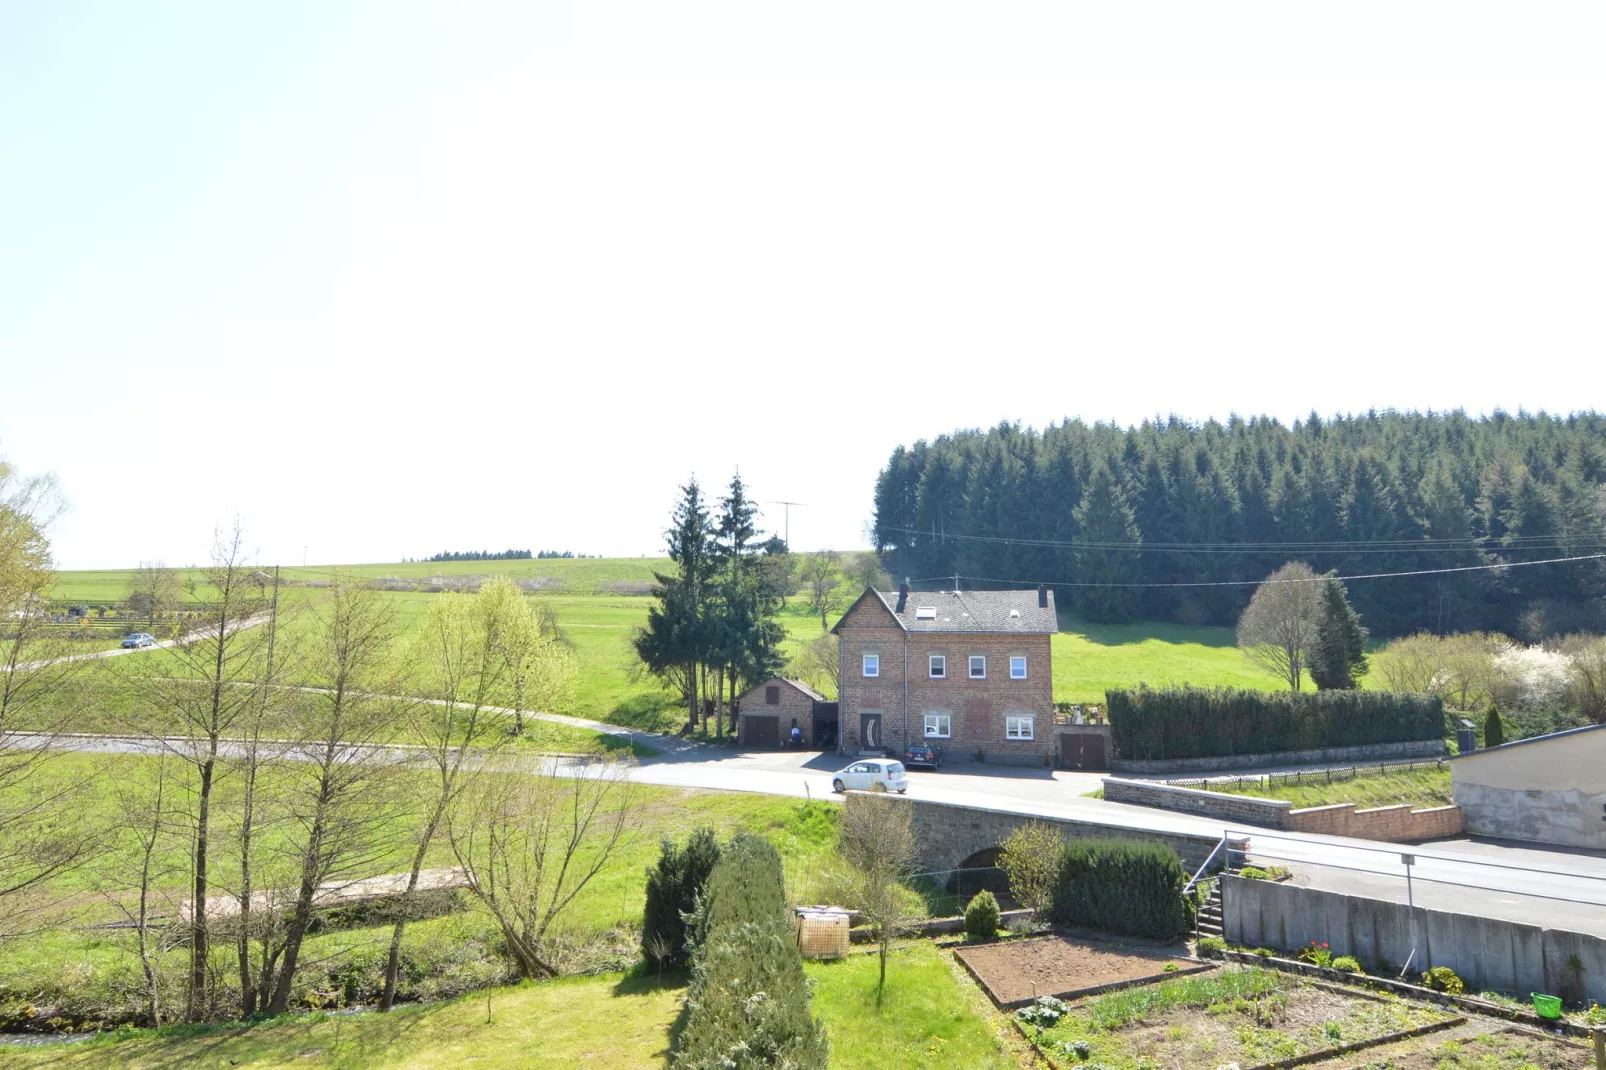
[(981, 916), (1494, 730), (673, 888), (748, 1004), (1200, 722), (1132, 887)]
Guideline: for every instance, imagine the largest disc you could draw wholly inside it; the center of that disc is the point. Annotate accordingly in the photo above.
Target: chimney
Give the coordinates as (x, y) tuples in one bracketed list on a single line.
[(903, 595), (1042, 596)]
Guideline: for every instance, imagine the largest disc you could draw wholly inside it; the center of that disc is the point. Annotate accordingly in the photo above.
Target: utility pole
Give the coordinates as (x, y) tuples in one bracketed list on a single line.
[(787, 522)]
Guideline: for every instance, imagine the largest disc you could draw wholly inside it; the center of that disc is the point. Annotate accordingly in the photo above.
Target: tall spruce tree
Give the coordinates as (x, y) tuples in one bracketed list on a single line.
[(679, 636), (1107, 550), (1338, 654)]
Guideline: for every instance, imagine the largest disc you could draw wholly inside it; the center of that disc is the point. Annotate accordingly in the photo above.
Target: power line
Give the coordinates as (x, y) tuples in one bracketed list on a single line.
[(1367, 546), (1257, 583)]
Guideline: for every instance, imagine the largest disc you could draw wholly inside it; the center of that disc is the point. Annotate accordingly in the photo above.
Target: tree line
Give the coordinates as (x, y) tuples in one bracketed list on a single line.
[(488, 555), (1177, 506)]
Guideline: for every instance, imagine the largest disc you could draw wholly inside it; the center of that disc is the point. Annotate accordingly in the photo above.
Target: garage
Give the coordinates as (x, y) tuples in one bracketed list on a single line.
[(761, 731), (1548, 789)]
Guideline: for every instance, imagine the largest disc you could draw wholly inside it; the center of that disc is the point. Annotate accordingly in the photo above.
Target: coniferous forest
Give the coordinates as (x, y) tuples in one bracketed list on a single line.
[(1165, 520)]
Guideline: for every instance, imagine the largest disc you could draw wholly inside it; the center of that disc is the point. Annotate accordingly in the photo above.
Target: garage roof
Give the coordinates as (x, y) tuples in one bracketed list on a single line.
[(1531, 740)]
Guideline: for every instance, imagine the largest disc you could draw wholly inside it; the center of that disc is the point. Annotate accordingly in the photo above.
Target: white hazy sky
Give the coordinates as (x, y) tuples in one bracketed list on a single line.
[(385, 279)]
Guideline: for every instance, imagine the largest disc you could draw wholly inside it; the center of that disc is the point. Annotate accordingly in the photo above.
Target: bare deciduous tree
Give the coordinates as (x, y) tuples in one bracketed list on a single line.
[(1587, 675), (530, 844), (877, 838), (198, 697), (1279, 625), (461, 657), (822, 583), (540, 663), (336, 797), (818, 664), (154, 588), (138, 861)]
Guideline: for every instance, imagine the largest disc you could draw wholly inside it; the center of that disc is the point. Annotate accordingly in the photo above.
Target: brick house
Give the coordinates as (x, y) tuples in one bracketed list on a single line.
[(767, 712), (969, 671)]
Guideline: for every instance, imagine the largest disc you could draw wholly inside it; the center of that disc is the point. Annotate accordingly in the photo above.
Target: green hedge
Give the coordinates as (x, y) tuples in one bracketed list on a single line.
[(674, 886), (1132, 887), (1198, 722), (748, 1004)]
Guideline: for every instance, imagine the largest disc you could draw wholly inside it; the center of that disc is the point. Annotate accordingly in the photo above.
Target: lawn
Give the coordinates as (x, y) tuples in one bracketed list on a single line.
[(604, 1021), (930, 1015), (1420, 787), (1090, 659)]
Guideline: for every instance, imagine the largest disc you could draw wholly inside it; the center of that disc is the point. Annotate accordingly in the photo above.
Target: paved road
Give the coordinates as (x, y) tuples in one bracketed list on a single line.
[(1557, 888), (117, 652)]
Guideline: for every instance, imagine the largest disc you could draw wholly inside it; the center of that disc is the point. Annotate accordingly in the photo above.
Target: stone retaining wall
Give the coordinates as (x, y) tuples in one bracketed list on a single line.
[(1425, 748), (1393, 824)]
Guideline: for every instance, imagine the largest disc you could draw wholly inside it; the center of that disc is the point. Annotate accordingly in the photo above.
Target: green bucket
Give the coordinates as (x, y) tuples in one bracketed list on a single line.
[(1546, 1006)]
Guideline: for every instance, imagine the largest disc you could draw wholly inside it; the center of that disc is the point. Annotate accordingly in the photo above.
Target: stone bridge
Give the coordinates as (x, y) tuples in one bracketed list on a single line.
[(953, 836)]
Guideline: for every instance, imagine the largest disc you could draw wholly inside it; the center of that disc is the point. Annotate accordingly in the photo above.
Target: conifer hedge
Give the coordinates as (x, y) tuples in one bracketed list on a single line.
[(1132, 887), (748, 1004), (1200, 722), (674, 886)]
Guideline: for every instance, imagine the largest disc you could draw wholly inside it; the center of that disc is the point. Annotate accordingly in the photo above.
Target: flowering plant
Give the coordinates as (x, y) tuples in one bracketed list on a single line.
[(1317, 954)]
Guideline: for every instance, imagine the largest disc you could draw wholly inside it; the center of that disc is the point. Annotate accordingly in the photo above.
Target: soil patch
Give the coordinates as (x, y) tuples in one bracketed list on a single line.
[(1022, 969)]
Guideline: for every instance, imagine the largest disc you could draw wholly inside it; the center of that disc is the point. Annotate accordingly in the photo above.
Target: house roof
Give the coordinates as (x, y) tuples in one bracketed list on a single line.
[(1553, 736), (968, 612), (797, 685)]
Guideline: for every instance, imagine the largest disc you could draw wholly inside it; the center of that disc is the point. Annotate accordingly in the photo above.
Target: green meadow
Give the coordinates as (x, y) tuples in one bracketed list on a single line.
[(600, 602)]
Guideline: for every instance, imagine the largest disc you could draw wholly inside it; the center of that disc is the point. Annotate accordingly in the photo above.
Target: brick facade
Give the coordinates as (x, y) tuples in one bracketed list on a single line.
[(792, 701), (975, 711)]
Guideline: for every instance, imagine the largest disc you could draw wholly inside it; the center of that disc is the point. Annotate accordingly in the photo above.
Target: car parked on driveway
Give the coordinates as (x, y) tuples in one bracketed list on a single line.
[(922, 754), (138, 639), (872, 774)]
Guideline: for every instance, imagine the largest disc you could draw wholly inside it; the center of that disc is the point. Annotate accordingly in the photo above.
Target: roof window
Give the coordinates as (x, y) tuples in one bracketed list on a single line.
[(926, 613)]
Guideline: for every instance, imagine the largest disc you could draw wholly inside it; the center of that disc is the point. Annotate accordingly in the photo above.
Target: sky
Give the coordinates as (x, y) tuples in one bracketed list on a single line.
[(386, 279)]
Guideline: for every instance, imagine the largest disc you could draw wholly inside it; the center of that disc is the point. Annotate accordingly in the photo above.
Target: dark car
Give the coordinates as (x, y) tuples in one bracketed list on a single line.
[(923, 754)]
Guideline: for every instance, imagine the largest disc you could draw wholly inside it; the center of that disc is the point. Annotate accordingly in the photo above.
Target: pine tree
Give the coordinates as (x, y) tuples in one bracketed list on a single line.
[(1494, 729), (677, 638), (1106, 523), (1338, 655)]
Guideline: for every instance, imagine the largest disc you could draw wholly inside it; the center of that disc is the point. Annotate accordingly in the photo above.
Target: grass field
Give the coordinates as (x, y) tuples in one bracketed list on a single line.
[(91, 973), (1418, 787), (584, 595), (929, 1015)]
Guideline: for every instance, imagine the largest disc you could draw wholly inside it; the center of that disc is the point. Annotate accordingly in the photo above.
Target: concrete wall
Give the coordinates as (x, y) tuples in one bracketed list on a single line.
[(950, 834), (1394, 824), (1547, 791), (1486, 953), (1375, 752)]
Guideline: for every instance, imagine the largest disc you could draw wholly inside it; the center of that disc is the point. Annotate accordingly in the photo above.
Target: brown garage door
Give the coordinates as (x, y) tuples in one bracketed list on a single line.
[(763, 731), (1082, 750)]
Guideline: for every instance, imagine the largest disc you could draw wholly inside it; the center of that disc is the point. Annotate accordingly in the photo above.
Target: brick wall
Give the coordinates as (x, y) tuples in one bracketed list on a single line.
[(793, 704), (976, 708), (1392, 824)]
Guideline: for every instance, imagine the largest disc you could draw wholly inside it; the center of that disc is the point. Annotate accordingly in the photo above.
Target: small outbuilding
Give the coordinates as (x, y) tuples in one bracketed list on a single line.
[(766, 713), (1548, 789)]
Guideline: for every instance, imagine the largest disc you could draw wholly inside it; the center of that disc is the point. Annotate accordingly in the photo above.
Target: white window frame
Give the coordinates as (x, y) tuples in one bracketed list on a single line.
[(1013, 675), (974, 675), (870, 666), (937, 666), (938, 725), (1020, 726)]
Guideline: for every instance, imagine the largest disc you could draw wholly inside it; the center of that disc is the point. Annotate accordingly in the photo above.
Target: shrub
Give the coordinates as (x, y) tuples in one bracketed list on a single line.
[(1265, 952), (1211, 946), (1346, 964), (1254, 873), (1031, 859), (981, 916), (1444, 979), (1196, 722), (1494, 729), (1132, 887), (748, 1004), (673, 887)]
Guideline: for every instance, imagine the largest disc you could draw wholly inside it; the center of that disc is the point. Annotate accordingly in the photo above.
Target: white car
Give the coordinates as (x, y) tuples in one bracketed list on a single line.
[(872, 774)]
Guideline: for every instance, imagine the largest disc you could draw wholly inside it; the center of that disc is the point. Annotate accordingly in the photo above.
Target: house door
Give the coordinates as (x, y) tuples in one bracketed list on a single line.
[(870, 731)]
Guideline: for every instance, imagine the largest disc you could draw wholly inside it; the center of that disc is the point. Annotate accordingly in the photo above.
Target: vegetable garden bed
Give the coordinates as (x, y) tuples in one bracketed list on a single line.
[(1014, 972)]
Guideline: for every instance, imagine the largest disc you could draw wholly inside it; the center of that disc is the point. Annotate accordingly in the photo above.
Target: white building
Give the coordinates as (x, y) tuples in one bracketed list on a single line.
[(1549, 789)]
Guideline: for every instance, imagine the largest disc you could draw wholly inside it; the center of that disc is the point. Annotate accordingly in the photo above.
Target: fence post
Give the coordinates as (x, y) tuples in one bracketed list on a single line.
[(1600, 1048)]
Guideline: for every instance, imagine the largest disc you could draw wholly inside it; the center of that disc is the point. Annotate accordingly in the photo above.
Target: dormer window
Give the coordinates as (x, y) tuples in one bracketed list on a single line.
[(926, 613)]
